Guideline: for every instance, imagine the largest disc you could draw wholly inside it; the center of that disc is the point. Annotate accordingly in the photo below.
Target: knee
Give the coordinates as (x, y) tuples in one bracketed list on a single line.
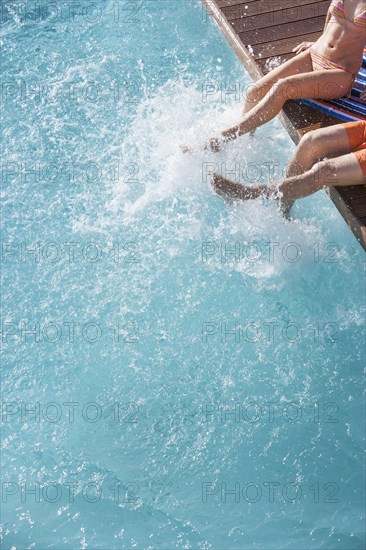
[(325, 172), (307, 138), (308, 141), (254, 92), (311, 144)]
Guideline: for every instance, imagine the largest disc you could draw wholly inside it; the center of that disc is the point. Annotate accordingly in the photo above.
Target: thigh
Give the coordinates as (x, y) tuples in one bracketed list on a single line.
[(347, 169), (329, 142), (331, 84), (299, 64)]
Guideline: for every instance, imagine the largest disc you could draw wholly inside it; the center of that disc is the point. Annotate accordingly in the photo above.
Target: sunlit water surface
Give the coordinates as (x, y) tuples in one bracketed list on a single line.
[(133, 316)]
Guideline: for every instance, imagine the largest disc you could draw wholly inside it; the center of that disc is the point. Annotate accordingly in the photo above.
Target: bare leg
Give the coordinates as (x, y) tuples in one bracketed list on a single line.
[(343, 170), (325, 84), (327, 142), (258, 90), (229, 190), (339, 171)]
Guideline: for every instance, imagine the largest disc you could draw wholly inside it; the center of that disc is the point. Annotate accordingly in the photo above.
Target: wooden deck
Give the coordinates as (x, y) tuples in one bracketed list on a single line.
[(259, 30)]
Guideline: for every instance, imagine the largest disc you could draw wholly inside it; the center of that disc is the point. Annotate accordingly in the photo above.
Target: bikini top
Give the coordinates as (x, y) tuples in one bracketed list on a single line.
[(337, 9)]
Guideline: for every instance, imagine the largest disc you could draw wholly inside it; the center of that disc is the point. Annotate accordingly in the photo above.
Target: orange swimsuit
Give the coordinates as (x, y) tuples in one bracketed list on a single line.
[(356, 132)]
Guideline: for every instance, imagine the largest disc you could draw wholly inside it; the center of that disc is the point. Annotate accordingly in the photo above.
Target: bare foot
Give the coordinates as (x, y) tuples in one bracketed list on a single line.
[(231, 191), (228, 190), (238, 191)]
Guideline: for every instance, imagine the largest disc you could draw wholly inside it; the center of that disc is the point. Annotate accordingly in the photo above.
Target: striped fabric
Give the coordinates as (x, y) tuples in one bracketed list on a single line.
[(337, 9), (345, 109)]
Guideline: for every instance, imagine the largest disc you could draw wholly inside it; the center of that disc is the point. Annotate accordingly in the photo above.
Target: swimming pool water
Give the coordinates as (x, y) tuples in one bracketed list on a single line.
[(176, 372)]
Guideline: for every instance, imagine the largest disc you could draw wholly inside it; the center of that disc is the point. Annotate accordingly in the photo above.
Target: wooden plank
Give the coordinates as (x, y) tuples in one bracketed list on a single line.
[(222, 4), (356, 191), (268, 63), (270, 34), (241, 10), (280, 47), (276, 39), (226, 3), (265, 21), (339, 197)]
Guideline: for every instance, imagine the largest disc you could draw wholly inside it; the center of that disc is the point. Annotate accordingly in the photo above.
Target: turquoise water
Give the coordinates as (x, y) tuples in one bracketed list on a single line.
[(195, 374)]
